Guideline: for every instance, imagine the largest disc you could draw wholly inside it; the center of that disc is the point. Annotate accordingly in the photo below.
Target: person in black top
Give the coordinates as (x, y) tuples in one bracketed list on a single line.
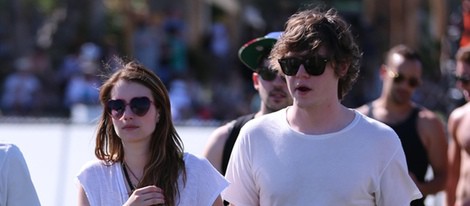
[(272, 90), (421, 132)]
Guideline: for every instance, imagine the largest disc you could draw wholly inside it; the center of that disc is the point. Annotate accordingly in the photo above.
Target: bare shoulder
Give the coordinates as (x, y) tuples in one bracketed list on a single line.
[(364, 109), (459, 113), (221, 133), (217, 139), (214, 147), (429, 117), (430, 122), (432, 131)]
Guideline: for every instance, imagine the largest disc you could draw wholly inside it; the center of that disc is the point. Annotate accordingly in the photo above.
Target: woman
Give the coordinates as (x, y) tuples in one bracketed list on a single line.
[(141, 158)]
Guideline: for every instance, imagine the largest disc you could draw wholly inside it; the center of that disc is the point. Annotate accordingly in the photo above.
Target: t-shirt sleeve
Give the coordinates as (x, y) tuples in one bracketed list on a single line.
[(20, 187), (242, 189), (396, 186), (210, 181)]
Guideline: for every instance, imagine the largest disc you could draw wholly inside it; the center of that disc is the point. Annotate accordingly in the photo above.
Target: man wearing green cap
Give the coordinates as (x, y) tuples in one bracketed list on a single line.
[(271, 88)]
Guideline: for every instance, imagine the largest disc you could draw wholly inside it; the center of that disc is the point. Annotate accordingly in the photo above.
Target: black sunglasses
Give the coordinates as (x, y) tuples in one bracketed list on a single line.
[(139, 106), (398, 78), (463, 79), (314, 66), (267, 74)]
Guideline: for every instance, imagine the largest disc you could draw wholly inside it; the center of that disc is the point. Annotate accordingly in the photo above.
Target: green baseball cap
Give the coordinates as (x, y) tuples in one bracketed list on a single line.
[(252, 52)]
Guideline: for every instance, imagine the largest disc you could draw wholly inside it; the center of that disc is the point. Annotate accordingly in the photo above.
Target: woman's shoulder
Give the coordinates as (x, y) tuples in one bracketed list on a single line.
[(196, 163), (95, 164), (192, 159)]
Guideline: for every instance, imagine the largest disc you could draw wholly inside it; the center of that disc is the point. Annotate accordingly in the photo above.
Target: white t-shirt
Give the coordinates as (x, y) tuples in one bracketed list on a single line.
[(106, 186), (363, 164), (16, 187)]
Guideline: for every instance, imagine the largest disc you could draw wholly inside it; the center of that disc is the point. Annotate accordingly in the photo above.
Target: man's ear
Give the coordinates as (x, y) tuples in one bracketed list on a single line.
[(255, 77), (342, 68), (383, 71)]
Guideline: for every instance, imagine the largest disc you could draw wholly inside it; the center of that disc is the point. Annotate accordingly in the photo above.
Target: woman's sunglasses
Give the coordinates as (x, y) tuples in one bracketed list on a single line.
[(314, 66), (398, 78), (139, 106), (463, 79)]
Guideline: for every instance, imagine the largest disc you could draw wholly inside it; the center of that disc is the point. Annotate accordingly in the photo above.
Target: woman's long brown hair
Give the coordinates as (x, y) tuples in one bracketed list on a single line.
[(166, 147)]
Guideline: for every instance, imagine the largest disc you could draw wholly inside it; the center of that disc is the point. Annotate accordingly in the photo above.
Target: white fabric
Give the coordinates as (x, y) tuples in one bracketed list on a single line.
[(16, 187), (105, 185), (362, 164)]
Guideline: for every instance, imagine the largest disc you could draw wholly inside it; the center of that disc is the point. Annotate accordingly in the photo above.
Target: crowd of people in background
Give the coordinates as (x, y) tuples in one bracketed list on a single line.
[(301, 145), (35, 85)]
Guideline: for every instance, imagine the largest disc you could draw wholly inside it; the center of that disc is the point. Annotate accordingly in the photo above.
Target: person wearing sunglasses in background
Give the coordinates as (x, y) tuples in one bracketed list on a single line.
[(458, 127), (271, 88), (421, 131), (141, 160), (317, 151)]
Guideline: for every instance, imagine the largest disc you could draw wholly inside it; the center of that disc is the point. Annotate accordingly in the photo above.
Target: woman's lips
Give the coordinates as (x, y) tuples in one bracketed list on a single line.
[(129, 127)]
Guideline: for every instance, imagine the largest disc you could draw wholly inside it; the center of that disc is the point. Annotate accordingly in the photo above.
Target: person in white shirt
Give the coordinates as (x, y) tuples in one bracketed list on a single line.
[(317, 151), (140, 154), (16, 186)]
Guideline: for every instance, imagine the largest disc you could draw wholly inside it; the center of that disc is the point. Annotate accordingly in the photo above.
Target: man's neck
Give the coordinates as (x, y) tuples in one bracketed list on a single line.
[(391, 112), (324, 120)]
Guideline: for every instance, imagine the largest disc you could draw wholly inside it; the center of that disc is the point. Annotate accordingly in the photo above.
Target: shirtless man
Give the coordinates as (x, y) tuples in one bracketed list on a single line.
[(458, 185), (421, 132)]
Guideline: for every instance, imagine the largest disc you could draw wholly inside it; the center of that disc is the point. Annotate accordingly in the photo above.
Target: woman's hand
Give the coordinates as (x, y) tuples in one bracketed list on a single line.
[(146, 196)]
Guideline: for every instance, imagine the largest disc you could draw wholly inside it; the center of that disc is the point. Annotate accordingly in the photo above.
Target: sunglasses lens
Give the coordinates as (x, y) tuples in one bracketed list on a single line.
[(290, 66), (267, 74), (412, 82), (398, 79), (116, 108), (140, 106), (315, 66)]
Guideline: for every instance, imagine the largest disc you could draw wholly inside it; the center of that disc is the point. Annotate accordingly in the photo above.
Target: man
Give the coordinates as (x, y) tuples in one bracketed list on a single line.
[(458, 185), (421, 132), (317, 151), (271, 88)]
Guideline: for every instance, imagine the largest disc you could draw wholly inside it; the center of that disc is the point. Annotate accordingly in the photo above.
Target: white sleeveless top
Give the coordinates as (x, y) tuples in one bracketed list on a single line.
[(106, 186)]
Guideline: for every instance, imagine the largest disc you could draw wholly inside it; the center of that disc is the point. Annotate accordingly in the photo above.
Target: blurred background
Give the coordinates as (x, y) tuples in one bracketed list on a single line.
[(53, 54)]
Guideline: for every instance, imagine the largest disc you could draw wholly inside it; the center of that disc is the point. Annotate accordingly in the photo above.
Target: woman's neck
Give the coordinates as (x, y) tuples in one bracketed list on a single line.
[(135, 158)]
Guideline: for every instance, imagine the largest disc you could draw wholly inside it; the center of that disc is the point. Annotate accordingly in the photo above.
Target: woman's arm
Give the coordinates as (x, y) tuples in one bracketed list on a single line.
[(82, 199)]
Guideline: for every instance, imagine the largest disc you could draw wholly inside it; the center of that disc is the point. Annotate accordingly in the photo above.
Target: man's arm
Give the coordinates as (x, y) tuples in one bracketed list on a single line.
[(214, 148), (432, 132)]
